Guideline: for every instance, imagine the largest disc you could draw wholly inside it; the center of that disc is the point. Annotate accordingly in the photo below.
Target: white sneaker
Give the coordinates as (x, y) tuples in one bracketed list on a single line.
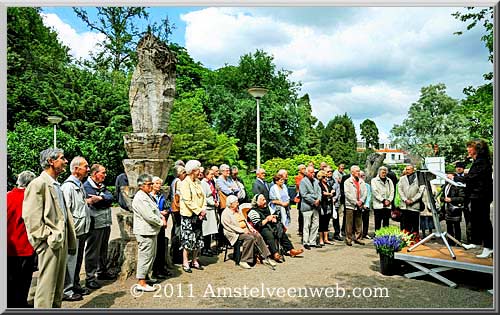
[(269, 262), (469, 246), (486, 253), (245, 265), (146, 288)]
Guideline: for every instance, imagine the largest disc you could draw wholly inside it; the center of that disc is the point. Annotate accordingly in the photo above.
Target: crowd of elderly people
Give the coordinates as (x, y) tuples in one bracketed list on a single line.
[(62, 225)]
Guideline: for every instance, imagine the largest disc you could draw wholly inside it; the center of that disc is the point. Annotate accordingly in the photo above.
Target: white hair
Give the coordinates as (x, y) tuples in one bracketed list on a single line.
[(354, 168), (230, 199), (192, 165)]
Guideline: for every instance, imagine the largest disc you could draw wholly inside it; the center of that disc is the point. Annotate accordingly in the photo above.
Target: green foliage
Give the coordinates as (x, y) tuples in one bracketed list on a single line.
[(477, 109), (232, 110), (433, 120), (35, 62), (193, 137), (291, 164), (118, 25), (388, 230), (369, 132), (189, 74), (25, 143), (340, 138)]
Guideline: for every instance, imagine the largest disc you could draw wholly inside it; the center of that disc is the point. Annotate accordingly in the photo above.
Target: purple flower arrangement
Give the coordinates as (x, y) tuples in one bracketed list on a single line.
[(388, 244)]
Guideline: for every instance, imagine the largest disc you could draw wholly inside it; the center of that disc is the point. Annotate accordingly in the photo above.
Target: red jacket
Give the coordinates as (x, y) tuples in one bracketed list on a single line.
[(17, 238)]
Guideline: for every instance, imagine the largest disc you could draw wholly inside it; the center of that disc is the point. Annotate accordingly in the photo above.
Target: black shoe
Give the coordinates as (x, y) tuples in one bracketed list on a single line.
[(72, 298), (106, 276), (167, 273), (93, 285), (151, 281), (207, 253), (338, 238), (160, 276), (82, 291), (187, 269), (307, 247), (197, 266)]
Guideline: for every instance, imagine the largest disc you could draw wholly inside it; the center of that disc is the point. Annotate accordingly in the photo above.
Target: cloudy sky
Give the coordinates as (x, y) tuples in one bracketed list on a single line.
[(367, 62)]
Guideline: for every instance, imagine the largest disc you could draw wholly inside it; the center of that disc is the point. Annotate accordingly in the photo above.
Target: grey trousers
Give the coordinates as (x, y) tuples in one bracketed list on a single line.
[(311, 227), (52, 268), (146, 248), (73, 266), (96, 252)]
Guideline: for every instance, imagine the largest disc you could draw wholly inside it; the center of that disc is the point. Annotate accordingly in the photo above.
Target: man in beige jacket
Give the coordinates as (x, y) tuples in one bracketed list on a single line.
[(50, 228)]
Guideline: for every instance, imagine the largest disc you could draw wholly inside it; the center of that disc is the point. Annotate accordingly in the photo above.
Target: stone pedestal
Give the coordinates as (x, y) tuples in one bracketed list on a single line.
[(136, 167), (151, 97)]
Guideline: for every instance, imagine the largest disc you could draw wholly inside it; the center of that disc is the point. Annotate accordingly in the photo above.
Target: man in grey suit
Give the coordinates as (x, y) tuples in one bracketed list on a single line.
[(147, 224), (310, 194), (50, 228)]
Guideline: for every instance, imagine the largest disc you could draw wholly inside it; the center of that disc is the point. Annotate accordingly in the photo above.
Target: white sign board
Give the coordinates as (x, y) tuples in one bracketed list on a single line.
[(436, 164)]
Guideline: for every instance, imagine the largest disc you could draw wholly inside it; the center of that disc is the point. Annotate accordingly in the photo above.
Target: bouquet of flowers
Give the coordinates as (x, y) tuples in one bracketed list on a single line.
[(389, 240), (409, 239)]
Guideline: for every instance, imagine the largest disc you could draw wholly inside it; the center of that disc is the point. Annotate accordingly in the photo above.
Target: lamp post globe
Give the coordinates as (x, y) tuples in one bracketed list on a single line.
[(54, 120), (258, 93)]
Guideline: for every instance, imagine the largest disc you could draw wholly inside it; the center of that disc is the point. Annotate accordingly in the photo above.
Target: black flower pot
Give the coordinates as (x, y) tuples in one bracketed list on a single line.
[(388, 265)]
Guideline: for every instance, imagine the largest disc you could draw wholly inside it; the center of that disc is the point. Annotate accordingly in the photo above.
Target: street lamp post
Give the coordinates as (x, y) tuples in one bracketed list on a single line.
[(54, 120), (258, 93)]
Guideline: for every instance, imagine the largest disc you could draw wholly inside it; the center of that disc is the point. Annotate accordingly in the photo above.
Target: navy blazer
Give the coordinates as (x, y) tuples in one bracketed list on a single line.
[(260, 188)]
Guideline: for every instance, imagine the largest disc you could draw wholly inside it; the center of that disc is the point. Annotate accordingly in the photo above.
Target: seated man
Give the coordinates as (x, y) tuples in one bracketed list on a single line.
[(270, 228), (236, 228)]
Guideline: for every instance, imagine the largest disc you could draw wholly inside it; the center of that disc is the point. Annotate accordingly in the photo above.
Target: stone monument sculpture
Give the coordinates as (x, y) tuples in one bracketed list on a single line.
[(151, 96)]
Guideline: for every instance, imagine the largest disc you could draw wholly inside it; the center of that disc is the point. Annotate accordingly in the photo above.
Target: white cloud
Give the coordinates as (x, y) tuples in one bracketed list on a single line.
[(80, 44), (368, 62)]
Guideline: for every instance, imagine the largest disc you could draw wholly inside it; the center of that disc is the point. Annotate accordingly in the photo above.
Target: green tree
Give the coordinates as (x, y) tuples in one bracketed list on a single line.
[(35, 63), (478, 105), (193, 136), (232, 110), (369, 132), (312, 143), (25, 143), (340, 138), (477, 109), (118, 25), (433, 122)]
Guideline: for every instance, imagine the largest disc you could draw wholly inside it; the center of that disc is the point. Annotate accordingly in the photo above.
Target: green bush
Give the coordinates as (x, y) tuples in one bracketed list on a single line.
[(290, 164)]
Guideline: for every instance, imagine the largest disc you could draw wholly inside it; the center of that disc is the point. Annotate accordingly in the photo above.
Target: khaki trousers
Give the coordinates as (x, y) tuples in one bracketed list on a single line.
[(52, 269)]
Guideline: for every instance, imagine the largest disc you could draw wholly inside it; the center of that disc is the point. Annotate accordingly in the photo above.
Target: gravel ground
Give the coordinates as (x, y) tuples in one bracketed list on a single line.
[(296, 283)]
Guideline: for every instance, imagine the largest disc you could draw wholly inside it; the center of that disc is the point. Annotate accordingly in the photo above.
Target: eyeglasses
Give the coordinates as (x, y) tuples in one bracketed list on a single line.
[(148, 184)]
